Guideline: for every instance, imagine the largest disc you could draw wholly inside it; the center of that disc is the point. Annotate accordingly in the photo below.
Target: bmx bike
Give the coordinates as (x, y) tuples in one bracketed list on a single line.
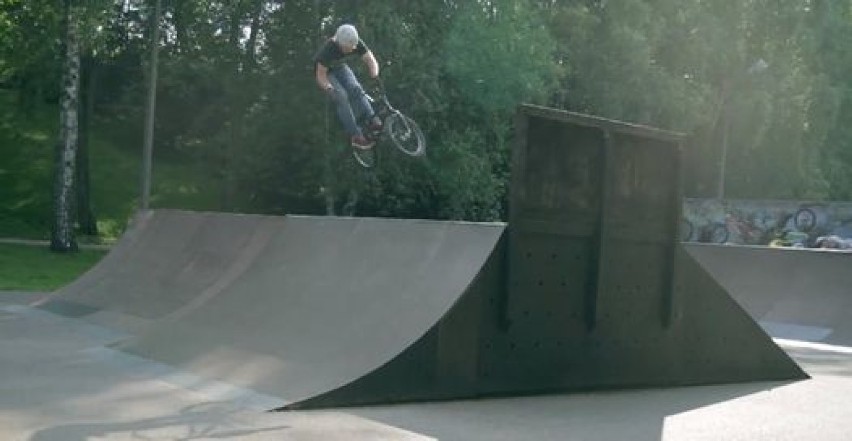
[(401, 130)]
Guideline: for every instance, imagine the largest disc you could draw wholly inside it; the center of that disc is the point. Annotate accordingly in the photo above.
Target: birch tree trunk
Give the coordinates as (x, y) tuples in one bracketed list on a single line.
[(62, 235), (250, 62), (85, 215)]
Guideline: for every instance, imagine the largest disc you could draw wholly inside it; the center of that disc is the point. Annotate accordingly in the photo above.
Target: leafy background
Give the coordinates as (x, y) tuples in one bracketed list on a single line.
[(241, 127)]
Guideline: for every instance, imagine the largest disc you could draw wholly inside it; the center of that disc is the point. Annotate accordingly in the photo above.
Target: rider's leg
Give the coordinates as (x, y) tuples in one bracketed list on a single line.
[(361, 105), (344, 112), (341, 104)]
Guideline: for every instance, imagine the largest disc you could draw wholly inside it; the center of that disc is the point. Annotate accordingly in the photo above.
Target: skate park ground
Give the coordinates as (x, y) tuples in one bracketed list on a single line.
[(59, 380)]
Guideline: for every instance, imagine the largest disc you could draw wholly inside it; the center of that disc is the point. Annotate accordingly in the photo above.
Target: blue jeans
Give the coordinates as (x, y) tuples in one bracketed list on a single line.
[(349, 98)]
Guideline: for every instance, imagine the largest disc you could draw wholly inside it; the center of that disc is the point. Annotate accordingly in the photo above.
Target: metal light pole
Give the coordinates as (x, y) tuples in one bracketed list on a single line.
[(759, 66), (148, 148), (723, 159)]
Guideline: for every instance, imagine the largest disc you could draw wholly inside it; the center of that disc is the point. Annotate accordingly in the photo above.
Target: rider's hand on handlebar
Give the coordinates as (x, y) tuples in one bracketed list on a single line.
[(330, 91), (376, 88)]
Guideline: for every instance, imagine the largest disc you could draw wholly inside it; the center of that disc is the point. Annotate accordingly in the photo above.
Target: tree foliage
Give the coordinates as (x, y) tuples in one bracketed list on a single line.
[(237, 96)]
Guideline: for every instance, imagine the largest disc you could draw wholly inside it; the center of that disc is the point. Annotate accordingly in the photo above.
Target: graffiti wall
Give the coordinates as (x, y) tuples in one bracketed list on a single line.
[(769, 222)]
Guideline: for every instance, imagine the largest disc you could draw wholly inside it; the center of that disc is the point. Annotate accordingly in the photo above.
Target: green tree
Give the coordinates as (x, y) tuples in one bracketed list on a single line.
[(76, 16), (238, 99), (499, 54), (28, 30), (687, 65), (830, 24), (62, 234)]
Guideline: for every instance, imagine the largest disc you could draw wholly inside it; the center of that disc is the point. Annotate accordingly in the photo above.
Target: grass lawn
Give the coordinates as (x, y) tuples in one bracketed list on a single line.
[(27, 145), (35, 268), (27, 142)]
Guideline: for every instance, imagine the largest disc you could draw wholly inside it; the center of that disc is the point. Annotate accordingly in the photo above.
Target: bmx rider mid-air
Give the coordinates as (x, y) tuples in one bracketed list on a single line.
[(337, 80)]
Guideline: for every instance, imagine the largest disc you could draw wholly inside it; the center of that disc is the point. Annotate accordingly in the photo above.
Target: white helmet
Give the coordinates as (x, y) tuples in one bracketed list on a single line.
[(346, 35)]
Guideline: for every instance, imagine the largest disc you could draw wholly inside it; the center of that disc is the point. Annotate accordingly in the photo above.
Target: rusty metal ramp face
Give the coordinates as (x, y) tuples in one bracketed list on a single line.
[(796, 294), (167, 260), (327, 301)]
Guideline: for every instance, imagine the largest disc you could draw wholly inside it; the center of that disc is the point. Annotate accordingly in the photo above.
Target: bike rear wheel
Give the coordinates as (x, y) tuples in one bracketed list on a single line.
[(805, 220), (405, 134), (718, 233)]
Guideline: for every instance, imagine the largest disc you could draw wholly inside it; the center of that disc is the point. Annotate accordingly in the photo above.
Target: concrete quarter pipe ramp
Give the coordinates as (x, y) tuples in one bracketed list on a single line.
[(588, 290), (167, 260), (797, 294), (327, 301)]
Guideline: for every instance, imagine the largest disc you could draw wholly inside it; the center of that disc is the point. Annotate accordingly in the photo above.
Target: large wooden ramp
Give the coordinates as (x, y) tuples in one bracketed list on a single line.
[(794, 293)]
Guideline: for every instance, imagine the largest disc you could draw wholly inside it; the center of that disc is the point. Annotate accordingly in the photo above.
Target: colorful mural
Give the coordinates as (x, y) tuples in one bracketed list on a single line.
[(767, 222)]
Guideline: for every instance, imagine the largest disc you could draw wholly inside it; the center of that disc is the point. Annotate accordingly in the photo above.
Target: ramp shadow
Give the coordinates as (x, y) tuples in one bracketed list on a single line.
[(210, 420), (637, 415)]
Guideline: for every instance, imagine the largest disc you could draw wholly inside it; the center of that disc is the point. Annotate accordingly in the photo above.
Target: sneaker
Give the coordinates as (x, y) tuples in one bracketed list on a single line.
[(360, 142), (375, 124)]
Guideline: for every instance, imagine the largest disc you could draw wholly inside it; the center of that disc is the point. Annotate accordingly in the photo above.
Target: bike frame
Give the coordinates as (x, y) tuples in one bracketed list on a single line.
[(385, 108), (395, 126)]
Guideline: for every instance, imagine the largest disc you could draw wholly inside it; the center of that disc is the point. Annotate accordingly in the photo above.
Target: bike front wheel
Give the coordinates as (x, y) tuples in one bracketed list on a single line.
[(366, 158), (405, 134)]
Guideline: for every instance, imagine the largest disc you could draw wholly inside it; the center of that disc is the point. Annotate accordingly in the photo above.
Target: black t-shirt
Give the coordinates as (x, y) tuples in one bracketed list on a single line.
[(330, 55)]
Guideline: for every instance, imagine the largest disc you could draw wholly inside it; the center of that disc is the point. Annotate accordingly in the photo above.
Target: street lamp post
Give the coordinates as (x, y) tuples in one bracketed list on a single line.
[(759, 66), (723, 157), (148, 146)]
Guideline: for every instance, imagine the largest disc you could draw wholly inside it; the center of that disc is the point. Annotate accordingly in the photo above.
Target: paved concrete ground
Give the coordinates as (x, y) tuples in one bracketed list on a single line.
[(59, 382), (817, 409)]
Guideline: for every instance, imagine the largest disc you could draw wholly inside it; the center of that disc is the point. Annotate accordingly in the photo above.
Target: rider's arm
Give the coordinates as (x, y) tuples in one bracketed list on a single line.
[(322, 77), (372, 64)]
